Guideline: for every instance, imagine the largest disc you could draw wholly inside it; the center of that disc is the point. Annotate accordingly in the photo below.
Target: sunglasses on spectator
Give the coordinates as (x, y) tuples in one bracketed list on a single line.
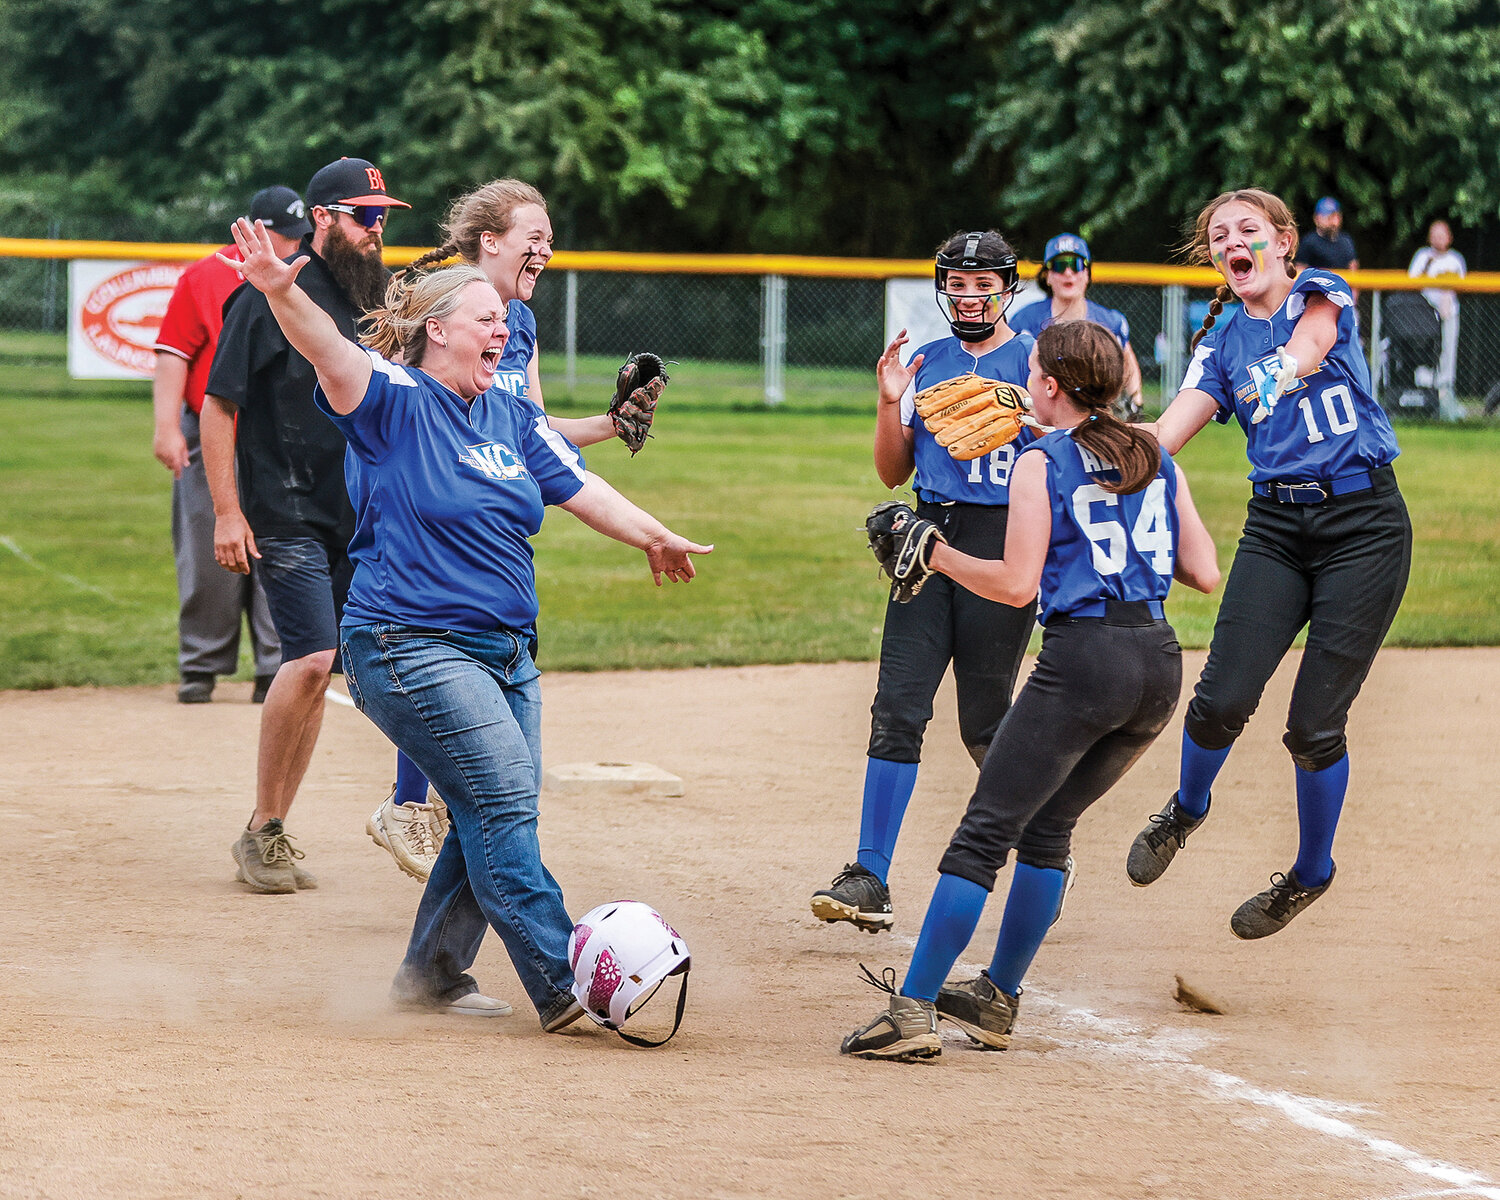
[(368, 215), (1067, 262)]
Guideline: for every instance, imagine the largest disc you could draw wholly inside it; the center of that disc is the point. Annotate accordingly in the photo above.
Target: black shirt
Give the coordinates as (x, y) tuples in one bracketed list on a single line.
[(289, 456), (1332, 254)]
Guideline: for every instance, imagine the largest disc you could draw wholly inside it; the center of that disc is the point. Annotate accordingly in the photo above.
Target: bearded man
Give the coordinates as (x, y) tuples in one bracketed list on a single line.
[(275, 467)]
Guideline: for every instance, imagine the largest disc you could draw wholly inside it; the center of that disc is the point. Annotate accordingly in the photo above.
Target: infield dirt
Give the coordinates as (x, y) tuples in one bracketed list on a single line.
[(167, 1034)]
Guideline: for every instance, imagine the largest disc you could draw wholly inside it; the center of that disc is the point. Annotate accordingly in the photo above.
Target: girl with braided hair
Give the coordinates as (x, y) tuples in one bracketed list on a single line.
[(1101, 521), (503, 229), (1326, 544)]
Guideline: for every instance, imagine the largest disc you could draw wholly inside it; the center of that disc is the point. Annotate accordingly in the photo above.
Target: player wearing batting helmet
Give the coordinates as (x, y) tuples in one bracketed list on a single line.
[(975, 276)]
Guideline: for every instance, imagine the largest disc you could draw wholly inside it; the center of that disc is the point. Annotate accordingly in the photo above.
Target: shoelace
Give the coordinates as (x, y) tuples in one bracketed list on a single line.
[(1166, 827), (850, 871), (886, 981), (1284, 895), (278, 848), (419, 834)]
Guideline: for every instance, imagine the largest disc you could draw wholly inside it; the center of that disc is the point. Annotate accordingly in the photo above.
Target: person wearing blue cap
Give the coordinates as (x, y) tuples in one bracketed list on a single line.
[(1065, 277), (1329, 247)]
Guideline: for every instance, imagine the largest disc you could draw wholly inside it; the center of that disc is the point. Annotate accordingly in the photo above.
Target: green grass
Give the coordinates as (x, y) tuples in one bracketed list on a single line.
[(86, 579)]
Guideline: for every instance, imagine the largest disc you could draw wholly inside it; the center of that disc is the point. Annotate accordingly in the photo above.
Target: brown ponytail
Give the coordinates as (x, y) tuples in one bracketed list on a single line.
[(1215, 307), (1088, 365)]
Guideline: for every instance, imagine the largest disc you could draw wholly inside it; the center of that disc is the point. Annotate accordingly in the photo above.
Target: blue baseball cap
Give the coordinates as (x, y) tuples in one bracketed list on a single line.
[(1066, 243), (1326, 205)]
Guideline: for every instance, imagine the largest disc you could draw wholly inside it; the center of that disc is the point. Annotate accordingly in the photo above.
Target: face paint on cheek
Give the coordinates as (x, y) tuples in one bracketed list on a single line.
[(1218, 259), (1258, 249)]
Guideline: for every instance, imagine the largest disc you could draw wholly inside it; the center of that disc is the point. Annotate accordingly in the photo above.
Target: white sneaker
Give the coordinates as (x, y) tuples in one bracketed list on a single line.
[(413, 833), (475, 1004)]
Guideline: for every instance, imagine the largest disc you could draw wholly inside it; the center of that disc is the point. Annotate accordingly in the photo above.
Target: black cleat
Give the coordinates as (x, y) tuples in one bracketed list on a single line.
[(1273, 909), (856, 894), (980, 1009), (907, 1030), (1157, 845)]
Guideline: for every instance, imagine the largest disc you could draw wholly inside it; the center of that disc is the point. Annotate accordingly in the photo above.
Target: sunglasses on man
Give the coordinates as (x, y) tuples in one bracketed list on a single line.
[(368, 215), (1067, 262)]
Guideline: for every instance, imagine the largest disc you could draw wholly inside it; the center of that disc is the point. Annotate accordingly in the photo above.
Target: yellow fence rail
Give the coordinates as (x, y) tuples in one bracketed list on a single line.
[(744, 264)]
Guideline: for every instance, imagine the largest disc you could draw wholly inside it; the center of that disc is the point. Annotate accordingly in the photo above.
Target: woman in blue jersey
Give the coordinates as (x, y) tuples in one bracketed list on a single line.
[(1102, 519), (975, 277), (503, 229), (1067, 271), (1327, 540), (437, 633)]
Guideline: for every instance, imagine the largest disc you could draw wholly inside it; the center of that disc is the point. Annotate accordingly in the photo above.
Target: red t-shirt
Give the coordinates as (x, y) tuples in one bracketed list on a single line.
[(195, 315)]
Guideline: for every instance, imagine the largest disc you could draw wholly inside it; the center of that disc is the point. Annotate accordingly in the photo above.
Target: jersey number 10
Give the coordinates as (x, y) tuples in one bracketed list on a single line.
[(1338, 422), (1150, 532)]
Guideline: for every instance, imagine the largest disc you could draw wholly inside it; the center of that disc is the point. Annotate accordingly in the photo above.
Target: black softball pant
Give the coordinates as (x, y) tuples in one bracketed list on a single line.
[(1097, 698), (985, 641), (1340, 569)]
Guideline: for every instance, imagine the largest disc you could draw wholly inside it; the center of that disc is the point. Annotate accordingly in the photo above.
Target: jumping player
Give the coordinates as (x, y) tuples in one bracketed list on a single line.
[(1103, 520), (1326, 546), (503, 229), (1065, 277), (975, 278)]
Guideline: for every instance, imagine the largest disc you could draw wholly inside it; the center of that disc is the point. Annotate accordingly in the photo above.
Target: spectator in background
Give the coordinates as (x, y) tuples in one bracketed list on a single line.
[(209, 599), (1329, 247), (1439, 257)]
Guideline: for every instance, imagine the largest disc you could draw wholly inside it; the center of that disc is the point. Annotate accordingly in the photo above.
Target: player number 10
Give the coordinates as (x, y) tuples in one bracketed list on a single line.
[(1337, 423)]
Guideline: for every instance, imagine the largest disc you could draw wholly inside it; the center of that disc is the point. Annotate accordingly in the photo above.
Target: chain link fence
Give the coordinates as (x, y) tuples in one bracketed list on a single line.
[(811, 341)]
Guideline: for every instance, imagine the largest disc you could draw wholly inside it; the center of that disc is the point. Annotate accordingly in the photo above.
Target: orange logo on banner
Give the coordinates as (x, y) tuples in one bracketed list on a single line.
[(376, 181), (121, 315)]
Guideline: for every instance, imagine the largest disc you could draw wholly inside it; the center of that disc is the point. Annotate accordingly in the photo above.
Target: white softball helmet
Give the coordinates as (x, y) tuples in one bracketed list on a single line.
[(621, 953)]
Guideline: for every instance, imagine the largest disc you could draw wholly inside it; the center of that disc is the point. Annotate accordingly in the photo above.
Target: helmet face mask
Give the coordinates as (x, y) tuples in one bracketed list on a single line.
[(621, 953), (974, 258)]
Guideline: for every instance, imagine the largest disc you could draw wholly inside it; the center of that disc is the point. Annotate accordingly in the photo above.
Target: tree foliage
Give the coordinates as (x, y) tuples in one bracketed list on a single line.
[(1122, 119), (794, 125)]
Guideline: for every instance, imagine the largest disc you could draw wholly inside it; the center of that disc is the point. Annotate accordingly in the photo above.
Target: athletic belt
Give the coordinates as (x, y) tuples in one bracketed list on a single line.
[(1116, 612), (1314, 491)]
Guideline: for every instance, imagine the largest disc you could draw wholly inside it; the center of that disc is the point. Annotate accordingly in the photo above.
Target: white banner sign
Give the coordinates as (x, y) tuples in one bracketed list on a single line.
[(114, 312)]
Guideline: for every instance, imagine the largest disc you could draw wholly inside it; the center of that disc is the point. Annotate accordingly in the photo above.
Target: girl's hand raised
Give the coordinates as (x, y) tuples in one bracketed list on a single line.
[(890, 376)]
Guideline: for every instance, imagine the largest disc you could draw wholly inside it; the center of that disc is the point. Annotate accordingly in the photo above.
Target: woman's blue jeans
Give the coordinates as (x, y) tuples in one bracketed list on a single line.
[(467, 709)]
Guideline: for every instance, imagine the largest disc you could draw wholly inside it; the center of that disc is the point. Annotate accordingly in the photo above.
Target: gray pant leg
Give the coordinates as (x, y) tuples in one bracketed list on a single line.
[(211, 599)]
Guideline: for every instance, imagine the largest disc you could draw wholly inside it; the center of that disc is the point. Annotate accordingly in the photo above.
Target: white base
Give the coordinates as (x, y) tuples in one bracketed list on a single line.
[(612, 778)]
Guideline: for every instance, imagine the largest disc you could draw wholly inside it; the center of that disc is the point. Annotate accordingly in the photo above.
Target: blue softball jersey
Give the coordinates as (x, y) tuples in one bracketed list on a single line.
[(1326, 426), (520, 348), (1104, 546), (1036, 317), (939, 476), (449, 493)]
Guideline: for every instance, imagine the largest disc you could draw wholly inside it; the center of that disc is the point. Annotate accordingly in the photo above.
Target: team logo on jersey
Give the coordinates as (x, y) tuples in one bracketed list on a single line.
[(493, 460), (513, 382), (1262, 373)]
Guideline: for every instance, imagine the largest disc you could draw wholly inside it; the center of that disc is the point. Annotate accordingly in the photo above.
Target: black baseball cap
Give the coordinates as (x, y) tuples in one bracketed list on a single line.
[(350, 181), (280, 209)]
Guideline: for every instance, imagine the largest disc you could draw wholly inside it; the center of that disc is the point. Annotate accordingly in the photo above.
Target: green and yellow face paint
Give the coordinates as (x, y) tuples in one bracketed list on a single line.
[(1258, 252)]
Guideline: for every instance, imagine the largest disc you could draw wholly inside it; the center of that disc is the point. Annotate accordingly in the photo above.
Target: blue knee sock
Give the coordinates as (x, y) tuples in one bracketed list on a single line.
[(1196, 775), (950, 922), (1320, 799), (888, 787), (411, 784), (1029, 912)]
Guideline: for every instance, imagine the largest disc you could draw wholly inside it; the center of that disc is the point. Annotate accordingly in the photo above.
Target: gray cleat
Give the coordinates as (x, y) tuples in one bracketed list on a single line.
[(907, 1030), (1157, 845), (980, 1009), (1272, 910)]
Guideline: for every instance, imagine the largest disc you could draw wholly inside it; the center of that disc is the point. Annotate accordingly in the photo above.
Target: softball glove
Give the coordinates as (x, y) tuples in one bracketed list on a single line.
[(638, 387), (970, 416), (902, 544)]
